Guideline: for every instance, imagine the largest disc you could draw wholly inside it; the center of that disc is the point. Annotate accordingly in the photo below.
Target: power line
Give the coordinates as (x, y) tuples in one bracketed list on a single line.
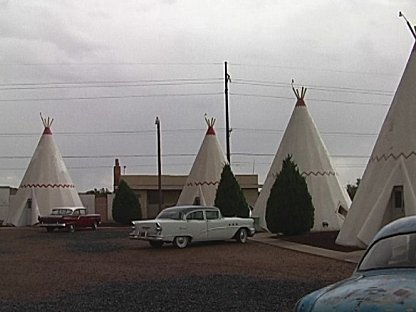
[(309, 100), (323, 133), (179, 82), (116, 64), (98, 83), (111, 97), (303, 68), (104, 132), (313, 69), (106, 166), (85, 86), (165, 155), (272, 155), (174, 131), (314, 87), (238, 163), (105, 156)]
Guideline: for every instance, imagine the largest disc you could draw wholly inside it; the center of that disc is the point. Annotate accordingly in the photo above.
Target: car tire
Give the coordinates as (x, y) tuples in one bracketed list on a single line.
[(242, 236), (49, 229), (156, 244), (71, 228), (181, 241), (94, 226)]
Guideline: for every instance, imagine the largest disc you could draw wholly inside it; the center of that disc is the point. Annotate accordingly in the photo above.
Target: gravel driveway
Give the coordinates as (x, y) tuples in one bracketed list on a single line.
[(105, 271)]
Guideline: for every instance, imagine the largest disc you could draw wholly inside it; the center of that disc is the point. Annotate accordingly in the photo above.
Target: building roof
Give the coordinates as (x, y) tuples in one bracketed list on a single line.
[(176, 182)]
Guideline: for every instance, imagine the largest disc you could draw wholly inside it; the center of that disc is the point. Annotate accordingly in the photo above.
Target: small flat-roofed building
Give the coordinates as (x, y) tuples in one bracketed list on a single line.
[(146, 186), (5, 193)]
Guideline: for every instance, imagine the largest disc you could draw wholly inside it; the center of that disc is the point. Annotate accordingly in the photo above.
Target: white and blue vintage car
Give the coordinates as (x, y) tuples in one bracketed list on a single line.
[(182, 225), (385, 279)]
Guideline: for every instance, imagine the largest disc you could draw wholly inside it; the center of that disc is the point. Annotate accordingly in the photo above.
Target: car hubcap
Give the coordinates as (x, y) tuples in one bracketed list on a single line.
[(181, 241), (243, 236)]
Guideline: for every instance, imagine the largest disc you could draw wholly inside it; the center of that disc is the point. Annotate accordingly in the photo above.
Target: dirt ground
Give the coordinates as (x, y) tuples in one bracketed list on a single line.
[(35, 264)]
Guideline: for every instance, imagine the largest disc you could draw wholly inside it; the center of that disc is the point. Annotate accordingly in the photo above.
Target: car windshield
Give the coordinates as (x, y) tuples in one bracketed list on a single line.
[(391, 252), (61, 212), (174, 214)]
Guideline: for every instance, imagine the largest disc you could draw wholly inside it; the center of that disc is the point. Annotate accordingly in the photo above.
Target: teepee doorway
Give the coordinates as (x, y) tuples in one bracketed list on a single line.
[(396, 204)]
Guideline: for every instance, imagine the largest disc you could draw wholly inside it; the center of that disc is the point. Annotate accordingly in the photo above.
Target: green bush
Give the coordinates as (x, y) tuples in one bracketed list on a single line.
[(126, 205), (289, 208), (229, 197)]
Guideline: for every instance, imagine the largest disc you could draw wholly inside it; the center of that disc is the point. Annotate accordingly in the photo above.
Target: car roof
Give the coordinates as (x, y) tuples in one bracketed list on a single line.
[(71, 208), (400, 226), (186, 209)]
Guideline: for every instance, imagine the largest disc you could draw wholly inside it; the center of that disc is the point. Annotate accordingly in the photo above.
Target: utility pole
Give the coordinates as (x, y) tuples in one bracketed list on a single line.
[(159, 163), (227, 117)]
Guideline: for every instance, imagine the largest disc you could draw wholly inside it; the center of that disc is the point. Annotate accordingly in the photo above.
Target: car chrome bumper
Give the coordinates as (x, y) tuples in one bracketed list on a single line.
[(62, 225), (144, 236)]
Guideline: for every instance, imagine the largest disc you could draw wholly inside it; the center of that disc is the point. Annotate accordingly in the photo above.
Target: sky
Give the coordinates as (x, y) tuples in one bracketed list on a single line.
[(105, 69)]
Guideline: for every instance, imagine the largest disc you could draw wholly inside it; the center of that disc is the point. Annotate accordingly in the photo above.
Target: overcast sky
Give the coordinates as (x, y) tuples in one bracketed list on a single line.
[(105, 69)]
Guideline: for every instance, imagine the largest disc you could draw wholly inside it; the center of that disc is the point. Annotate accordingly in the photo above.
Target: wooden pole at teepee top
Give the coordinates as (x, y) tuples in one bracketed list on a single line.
[(210, 121), (412, 29), (47, 122)]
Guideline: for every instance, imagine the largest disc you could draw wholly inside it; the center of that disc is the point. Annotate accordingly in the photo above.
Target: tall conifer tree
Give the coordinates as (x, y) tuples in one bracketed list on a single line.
[(126, 205), (229, 197), (289, 207)]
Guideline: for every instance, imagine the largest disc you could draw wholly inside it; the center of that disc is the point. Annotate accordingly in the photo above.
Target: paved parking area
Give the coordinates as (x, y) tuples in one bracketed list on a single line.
[(104, 270)]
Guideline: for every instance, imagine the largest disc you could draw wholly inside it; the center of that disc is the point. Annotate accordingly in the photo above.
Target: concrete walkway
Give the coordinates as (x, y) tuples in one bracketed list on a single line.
[(266, 238)]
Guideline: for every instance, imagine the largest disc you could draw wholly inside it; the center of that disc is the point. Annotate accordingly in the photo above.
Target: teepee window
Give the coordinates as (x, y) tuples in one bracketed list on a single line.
[(398, 198), (197, 201), (29, 203), (342, 211)]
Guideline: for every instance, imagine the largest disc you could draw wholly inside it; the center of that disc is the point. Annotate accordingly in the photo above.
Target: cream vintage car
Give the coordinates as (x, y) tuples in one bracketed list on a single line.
[(182, 225)]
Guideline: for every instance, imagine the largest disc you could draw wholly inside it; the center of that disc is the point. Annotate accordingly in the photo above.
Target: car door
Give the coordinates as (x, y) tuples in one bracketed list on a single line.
[(82, 218), (196, 225), (217, 227)]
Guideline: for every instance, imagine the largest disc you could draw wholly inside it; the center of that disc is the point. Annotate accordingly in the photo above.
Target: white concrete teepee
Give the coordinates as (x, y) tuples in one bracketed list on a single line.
[(46, 183), (202, 183), (302, 141), (388, 188)]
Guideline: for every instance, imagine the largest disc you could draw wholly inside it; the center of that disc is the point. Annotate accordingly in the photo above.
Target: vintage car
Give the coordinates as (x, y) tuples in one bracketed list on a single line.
[(182, 225), (70, 218), (384, 280)]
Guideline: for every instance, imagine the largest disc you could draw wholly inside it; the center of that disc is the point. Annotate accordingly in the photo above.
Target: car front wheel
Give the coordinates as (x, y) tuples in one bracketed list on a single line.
[(94, 226), (71, 228), (242, 236), (181, 241)]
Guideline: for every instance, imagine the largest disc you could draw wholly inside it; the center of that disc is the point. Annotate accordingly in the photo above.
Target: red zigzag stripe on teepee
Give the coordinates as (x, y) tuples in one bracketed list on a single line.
[(314, 173), (48, 185), (391, 155), (318, 173), (201, 183)]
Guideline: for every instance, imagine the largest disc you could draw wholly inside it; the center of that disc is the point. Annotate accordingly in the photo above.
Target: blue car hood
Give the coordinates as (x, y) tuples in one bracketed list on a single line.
[(392, 290)]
